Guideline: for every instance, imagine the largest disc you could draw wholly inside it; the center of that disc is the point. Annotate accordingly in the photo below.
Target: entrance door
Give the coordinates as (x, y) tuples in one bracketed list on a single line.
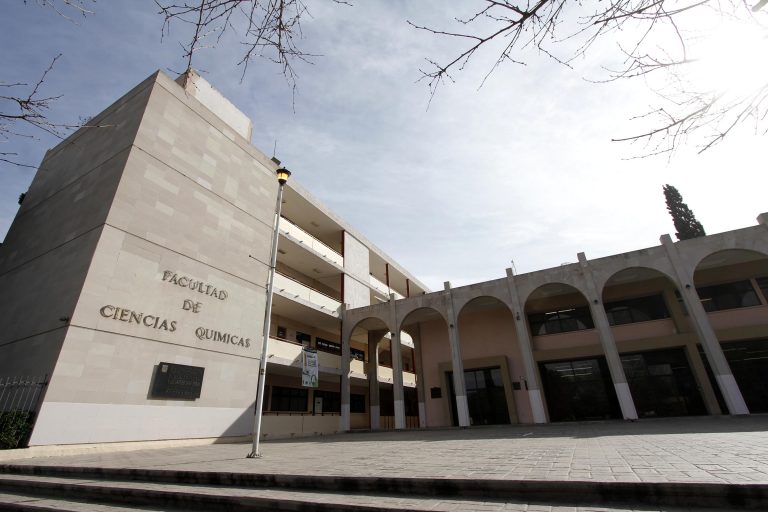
[(662, 383), (579, 390), (486, 399)]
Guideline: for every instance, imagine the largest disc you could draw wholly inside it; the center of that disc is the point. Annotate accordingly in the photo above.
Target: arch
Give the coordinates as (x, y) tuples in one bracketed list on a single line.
[(728, 257), (429, 330), (723, 279), (639, 294), (497, 289), (705, 258), (419, 314), (557, 307), (493, 363)]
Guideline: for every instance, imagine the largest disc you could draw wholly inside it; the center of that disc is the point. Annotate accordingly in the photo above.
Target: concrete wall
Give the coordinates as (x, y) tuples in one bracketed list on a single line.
[(185, 199), (47, 252), (356, 262)]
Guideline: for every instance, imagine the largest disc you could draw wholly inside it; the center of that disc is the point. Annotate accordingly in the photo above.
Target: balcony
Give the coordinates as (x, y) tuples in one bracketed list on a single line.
[(294, 289), (383, 288), (288, 353), (289, 228)]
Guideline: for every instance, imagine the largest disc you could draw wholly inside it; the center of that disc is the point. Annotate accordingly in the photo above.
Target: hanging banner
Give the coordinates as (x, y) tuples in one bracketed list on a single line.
[(309, 369)]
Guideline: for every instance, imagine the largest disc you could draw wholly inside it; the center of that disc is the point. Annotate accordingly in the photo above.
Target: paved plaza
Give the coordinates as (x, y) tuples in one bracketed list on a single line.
[(701, 449), (707, 450)]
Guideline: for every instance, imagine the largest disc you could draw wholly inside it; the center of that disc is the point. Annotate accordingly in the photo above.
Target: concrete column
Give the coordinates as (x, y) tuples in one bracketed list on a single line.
[(397, 382), (374, 408), (608, 343), (420, 391), (346, 354), (459, 387), (714, 352), (524, 341), (702, 380), (397, 367)]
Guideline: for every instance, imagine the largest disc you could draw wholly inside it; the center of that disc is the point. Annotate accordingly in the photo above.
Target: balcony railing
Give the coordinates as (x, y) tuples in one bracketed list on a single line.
[(290, 286), (308, 240), (287, 350), (381, 287)]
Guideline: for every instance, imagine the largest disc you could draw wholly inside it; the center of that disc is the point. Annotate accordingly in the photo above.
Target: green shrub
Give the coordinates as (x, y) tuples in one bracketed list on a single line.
[(15, 426)]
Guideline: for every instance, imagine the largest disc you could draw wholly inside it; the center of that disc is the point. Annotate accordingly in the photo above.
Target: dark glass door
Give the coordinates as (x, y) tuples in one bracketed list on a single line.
[(579, 390), (662, 383), (749, 363), (486, 399)]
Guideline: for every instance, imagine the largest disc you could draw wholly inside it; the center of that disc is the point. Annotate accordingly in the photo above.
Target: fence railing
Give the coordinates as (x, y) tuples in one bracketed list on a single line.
[(19, 398)]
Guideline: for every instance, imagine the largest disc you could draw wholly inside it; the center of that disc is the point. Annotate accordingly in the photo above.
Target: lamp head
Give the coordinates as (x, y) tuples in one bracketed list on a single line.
[(282, 175)]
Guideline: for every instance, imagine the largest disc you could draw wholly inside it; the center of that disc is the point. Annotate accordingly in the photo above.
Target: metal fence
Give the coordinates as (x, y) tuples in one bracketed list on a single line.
[(19, 398)]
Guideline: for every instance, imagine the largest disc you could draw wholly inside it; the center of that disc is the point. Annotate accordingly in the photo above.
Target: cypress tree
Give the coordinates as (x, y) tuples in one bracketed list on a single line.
[(685, 222)]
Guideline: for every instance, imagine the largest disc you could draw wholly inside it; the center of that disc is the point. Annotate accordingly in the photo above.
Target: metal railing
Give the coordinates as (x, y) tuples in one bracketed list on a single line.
[(19, 398), (288, 227), (293, 287)]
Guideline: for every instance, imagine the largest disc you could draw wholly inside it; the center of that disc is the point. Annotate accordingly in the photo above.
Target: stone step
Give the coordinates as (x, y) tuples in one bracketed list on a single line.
[(572, 493), (38, 494)]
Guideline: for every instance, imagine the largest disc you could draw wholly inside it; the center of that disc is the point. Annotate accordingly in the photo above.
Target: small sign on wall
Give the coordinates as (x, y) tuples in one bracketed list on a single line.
[(309, 368), (177, 381)]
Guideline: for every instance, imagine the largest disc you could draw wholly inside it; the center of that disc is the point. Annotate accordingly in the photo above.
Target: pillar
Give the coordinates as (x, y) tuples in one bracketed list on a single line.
[(524, 341), (420, 391), (374, 407), (608, 343), (397, 366), (460, 388), (712, 349), (346, 354)]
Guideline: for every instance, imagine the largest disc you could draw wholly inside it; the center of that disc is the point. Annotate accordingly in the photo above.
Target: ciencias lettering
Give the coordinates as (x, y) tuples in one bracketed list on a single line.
[(136, 317), (205, 334), (169, 276)]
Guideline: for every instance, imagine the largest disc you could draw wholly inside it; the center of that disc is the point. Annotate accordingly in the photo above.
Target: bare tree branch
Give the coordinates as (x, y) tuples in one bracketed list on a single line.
[(272, 29), (545, 25)]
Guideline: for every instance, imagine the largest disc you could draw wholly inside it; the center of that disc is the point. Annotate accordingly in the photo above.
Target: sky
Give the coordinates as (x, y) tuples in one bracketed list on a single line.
[(455, 187)]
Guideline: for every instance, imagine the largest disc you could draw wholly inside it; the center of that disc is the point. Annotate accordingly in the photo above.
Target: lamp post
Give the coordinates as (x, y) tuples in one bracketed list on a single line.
[(282, 177)]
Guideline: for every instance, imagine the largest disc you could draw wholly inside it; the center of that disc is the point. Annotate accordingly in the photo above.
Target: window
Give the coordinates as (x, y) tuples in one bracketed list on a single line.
[(327, 346), (566, 320), (303, 338), (331, 400), (356, 403), (762, 282), (288, 399), (728, 296), (282, 332), (357, 354), (640, 309)]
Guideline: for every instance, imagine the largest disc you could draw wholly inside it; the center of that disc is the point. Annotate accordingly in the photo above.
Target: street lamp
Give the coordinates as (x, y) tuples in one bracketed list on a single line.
[(282, 176)]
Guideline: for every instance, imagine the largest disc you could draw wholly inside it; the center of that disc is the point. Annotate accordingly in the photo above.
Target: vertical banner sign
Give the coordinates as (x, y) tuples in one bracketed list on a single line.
[(309, 368)]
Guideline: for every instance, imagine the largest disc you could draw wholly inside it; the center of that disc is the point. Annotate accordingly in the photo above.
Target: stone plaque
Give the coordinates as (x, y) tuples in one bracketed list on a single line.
[(177, 381)]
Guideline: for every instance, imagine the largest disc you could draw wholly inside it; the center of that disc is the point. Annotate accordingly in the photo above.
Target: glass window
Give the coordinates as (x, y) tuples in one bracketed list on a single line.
[(288, 399), (762, 282), (566, 320), (749, 363), (356, 403), (662, 383), (327, 346), (357, 354), (728, 296), (303, 338), (640, 309), (331, 400)]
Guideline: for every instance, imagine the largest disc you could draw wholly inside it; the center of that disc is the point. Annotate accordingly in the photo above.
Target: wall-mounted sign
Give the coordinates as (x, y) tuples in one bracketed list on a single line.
[(169, 276), (136, 317), (309, 367), (177, 381)]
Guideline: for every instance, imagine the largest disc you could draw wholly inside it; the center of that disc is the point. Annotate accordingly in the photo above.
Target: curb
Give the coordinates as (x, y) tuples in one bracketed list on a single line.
[(685, 494)]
